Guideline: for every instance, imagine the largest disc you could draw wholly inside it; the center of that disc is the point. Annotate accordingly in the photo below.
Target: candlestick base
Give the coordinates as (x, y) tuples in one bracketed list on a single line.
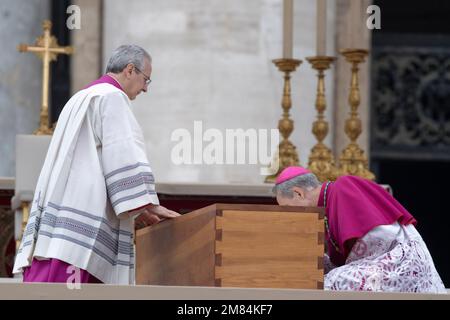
[(43, 127)]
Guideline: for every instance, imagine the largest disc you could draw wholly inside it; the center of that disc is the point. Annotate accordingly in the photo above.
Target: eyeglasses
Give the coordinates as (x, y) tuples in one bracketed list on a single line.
[(146, 78)]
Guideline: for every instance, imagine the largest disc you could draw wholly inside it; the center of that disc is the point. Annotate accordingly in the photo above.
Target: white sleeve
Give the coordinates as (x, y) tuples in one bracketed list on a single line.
[(128, 175)]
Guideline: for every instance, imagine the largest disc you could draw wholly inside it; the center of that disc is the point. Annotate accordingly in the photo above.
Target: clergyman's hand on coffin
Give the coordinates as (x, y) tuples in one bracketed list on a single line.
[(163, 212), (153, 215), (146, 219)]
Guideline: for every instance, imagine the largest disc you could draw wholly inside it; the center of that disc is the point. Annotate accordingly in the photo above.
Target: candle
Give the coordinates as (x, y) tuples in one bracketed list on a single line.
[(321, 27), (288, 7), (355, 22)]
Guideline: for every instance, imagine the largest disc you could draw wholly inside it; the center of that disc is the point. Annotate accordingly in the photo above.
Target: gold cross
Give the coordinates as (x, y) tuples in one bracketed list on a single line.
[(46, 48)]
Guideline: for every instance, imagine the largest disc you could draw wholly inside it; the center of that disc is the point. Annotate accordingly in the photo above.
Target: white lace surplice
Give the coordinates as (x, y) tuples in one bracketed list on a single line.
[(389, 258)]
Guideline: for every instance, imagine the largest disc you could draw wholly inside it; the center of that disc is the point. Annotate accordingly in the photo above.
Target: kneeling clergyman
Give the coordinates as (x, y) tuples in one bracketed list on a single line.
[(371, 240)]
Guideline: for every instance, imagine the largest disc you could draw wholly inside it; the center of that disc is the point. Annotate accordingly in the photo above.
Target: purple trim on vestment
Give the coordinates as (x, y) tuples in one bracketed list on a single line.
[(106, 79)]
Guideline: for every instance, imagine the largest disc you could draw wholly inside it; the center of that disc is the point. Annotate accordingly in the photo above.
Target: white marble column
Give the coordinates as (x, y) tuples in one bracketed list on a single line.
[(212, 62), (20, 75), (86, 64)]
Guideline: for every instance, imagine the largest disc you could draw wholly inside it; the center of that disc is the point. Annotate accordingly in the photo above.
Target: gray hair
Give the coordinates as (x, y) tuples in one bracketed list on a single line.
[(126, 54), (307, 181)]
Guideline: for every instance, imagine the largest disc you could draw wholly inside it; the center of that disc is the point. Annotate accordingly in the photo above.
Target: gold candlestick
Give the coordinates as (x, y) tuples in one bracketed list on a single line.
[(321, 160), (286, 150), (47, 49), (352, 160)]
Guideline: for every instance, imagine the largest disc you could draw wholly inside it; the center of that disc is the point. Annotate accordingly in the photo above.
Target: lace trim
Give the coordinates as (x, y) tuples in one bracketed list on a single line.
[(388, 258)]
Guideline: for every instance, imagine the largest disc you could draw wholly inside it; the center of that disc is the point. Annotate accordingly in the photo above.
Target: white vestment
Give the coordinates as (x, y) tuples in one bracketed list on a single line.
[(389, 258), (96, 170)]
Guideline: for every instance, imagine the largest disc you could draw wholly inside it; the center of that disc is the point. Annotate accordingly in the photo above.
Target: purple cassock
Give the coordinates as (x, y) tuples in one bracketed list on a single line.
[(354, 206), (54, 270)]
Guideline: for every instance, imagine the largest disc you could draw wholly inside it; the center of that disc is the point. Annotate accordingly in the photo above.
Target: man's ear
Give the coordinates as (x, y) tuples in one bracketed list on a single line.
[(128, 70), (299, 191)]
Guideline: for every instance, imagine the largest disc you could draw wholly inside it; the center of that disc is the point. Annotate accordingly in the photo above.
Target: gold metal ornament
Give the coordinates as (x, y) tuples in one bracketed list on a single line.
[(46, 48), (352, 160), (287, 154), (321, 160)]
